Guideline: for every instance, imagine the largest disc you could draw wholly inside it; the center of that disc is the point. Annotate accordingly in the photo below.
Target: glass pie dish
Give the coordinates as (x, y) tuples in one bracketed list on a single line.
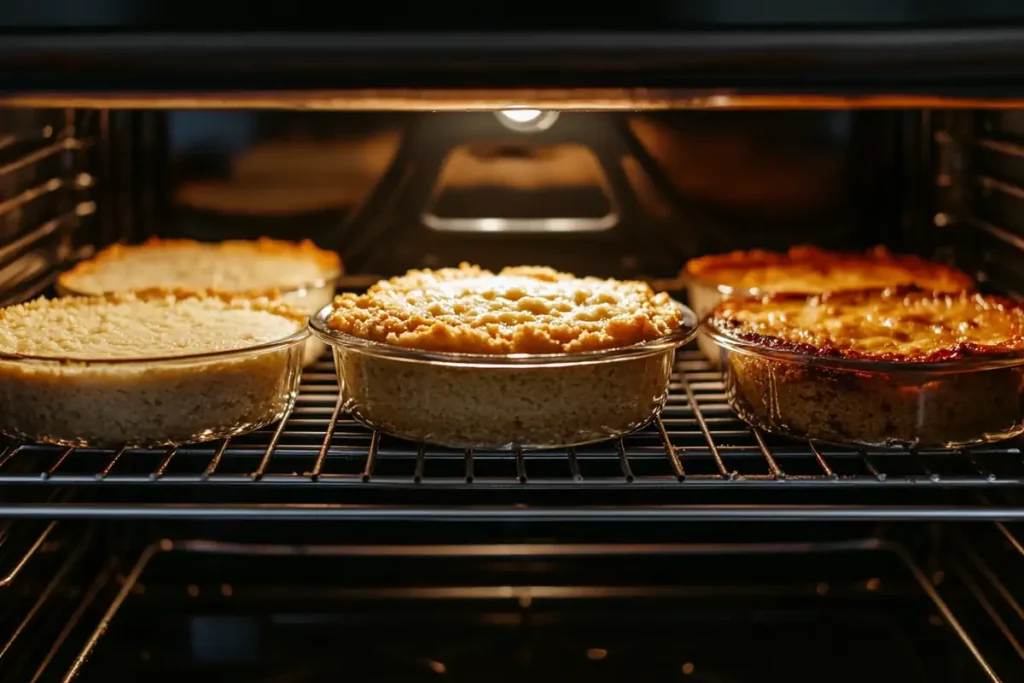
[(528, 401), (149, 402), (954, 396), (146, 370)]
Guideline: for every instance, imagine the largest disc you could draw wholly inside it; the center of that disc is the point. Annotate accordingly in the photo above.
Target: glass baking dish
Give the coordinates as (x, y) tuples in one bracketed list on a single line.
[(704, 295), (944, 404), (309, 299), (148, 402), (527, 401)]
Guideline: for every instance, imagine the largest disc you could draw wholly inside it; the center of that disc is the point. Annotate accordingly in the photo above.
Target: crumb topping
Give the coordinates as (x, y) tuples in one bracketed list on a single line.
[(262, 267), (148, 324), (900, 324), (809, 269), (526, 309)]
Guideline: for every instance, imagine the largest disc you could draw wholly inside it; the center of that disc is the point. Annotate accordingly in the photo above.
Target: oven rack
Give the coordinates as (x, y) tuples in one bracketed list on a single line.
[(964, 596), (319, 455)]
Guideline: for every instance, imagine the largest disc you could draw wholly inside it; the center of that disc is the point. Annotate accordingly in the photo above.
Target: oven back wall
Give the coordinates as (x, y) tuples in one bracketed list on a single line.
[(610, 194)]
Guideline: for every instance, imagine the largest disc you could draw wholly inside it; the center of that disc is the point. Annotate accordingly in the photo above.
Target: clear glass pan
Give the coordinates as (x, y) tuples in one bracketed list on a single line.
[(148, 402), (947, 404), (503, 401)]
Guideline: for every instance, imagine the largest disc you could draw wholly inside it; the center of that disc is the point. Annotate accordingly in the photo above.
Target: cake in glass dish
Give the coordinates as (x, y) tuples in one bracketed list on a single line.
[(896, 367), (146, 369), (524, 358), (298, 273), (809, 270)]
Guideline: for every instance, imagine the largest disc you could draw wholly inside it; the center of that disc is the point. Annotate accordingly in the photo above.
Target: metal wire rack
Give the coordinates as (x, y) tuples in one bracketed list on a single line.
[(170, 569), (696, 443)]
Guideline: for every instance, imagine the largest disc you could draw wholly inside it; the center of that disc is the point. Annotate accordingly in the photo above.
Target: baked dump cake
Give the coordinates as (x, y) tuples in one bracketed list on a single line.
[(298, 273), (809, 270), (261, 267), (902, 366), (146, 369), (528, 357)]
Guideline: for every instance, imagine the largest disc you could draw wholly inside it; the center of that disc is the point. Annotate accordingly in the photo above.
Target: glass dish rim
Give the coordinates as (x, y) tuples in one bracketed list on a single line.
[(991, 361), (294, 339), (687, 332)]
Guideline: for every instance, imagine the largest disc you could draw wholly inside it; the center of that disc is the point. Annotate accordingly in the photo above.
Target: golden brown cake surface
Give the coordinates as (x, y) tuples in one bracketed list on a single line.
[(526, 309), (151, 324), (904, 324), (809, 269), (262, 267)]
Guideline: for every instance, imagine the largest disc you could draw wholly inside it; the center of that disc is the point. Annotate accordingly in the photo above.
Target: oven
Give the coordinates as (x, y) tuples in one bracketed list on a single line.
[(694, 549)]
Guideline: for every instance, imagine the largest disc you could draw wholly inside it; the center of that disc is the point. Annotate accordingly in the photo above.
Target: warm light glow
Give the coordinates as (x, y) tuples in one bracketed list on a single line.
[(526, 120), (521, 115)]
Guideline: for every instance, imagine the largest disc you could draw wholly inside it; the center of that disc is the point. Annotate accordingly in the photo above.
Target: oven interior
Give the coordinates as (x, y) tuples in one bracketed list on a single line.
[(693, 549)]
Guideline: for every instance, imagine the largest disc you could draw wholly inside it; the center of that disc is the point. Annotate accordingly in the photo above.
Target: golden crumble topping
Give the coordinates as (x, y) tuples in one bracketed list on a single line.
[(526, 309), (262, 267), (809, 269), (900, 324), (149, 324)]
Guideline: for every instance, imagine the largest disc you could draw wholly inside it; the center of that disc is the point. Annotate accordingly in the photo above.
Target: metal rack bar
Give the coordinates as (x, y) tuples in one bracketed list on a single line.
[(421, 464), (574, 466), (1003, 146), (438, 514), (773, 467), (215, 460), (521, 466), (670, 450), (162, 467), (56, 465), (47, 592), (989, 608), (91, 593), (111, 463), (705, 431), (990, 183), (371, 456), (627, 471), (945, 611), (23, 560), (469, 466), (269, 452), (328, 436), (821, 461)]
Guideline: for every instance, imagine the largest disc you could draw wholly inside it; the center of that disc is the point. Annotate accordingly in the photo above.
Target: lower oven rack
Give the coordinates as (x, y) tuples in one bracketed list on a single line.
[(696, 461), (201, 608)]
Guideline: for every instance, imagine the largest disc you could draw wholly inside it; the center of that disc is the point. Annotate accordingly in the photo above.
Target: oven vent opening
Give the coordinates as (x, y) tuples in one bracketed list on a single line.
[(522, 187)]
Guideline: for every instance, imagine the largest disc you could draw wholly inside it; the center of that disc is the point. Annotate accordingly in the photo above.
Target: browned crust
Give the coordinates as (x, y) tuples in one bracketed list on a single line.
[(328, 261), (232, 299), (706, 268), (371, 316), (726, 326)]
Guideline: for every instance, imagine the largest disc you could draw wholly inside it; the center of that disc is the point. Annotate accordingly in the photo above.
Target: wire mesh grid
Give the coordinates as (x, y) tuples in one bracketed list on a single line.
[(697, 442)]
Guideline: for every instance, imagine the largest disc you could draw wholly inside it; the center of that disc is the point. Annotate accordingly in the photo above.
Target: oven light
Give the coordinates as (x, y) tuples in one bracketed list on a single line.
[(521, 115), (526, 120)]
